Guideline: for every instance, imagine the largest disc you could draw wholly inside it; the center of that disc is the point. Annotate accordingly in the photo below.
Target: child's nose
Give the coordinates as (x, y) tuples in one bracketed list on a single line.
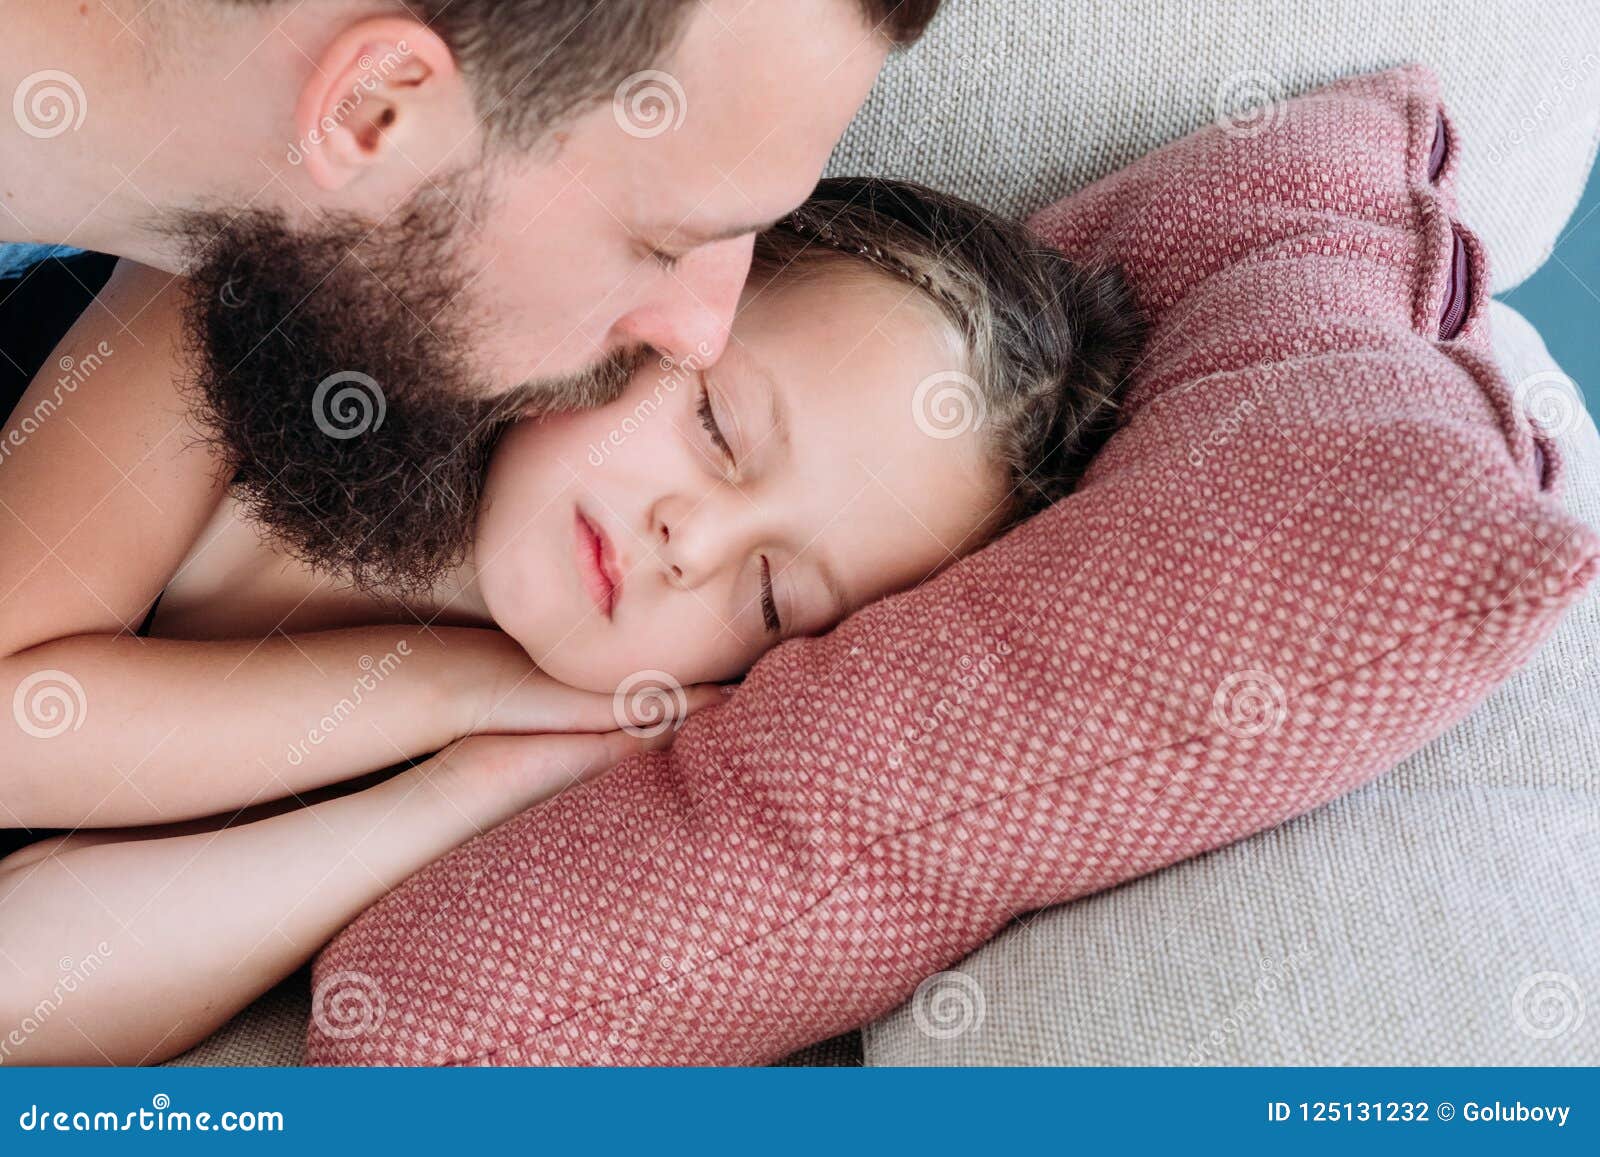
[(699, 540)]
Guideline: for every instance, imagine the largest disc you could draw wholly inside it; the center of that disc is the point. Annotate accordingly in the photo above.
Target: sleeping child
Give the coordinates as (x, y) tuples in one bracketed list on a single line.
[(908, 376)]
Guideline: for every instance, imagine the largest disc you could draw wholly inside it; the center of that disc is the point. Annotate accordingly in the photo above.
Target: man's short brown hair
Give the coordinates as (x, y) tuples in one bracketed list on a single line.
[(532, 63)]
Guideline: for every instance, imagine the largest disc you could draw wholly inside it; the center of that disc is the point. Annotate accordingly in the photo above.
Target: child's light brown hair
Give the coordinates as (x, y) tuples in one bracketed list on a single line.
[(1050, 343)]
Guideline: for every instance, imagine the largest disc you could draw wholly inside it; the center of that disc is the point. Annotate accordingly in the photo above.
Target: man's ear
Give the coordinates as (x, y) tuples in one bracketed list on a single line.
[(384, 91)]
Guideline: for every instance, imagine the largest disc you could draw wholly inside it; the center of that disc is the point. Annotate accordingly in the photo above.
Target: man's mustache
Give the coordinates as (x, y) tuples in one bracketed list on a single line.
[(599, 385)]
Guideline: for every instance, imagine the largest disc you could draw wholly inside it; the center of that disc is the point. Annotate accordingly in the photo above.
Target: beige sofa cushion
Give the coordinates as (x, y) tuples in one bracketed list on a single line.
[(1016, 103), (272, 1031), (1444, 914)]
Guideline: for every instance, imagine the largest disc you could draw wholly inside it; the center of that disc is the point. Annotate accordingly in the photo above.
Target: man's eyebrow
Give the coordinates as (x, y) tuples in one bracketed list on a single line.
[(692, 235)]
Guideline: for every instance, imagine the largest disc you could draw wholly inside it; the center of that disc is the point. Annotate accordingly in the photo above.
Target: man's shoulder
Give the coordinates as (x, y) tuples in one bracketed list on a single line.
[(39, 301)]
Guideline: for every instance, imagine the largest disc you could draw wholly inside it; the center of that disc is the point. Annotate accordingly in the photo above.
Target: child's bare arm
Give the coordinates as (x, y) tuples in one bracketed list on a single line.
[(104, 486), (187, 929)]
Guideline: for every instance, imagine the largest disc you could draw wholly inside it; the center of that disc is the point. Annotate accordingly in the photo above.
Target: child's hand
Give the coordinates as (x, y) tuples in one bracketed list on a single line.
[(520, 699), (295, 879), (486, 779)]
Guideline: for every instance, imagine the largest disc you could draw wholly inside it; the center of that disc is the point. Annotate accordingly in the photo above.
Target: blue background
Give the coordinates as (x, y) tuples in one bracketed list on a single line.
[(1563, 298)]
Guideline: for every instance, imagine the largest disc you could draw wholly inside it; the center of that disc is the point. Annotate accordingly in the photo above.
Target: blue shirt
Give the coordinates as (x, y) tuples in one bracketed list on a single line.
[(17, 257)]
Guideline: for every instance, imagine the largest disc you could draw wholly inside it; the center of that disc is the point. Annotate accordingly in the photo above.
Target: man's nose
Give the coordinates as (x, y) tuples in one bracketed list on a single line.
[(691, 309)]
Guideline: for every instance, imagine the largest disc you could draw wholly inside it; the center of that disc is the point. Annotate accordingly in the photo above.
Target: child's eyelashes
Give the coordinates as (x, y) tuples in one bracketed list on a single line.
[(706, 411), (708, 419), (769, 604)]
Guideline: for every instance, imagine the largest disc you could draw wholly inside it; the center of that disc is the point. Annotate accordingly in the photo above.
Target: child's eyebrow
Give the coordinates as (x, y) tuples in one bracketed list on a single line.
[(777, 410), (779, 416), (836, 591)]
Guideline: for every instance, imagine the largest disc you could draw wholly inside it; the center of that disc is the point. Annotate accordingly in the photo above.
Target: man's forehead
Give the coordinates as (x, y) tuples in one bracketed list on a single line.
[(732, 128), (759, 34), (701, 198), (786, 58)]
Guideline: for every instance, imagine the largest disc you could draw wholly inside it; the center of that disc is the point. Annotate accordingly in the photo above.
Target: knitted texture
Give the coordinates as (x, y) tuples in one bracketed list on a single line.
[(1320, 537)]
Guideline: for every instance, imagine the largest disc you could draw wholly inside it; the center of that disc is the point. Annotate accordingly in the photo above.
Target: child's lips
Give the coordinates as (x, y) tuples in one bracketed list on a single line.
[(597, 565)]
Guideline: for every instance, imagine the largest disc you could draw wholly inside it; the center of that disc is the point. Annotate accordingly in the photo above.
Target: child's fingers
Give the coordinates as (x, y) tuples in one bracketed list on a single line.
[(540, 703), (581, 756), (543, 704), (564, 708), (708, 695)]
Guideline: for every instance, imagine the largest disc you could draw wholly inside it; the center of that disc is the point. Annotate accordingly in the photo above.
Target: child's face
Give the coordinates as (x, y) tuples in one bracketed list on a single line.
[(632, 537)]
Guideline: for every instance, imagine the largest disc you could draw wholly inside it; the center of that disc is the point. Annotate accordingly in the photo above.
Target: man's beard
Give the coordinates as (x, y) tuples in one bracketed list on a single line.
[(333, 372)]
